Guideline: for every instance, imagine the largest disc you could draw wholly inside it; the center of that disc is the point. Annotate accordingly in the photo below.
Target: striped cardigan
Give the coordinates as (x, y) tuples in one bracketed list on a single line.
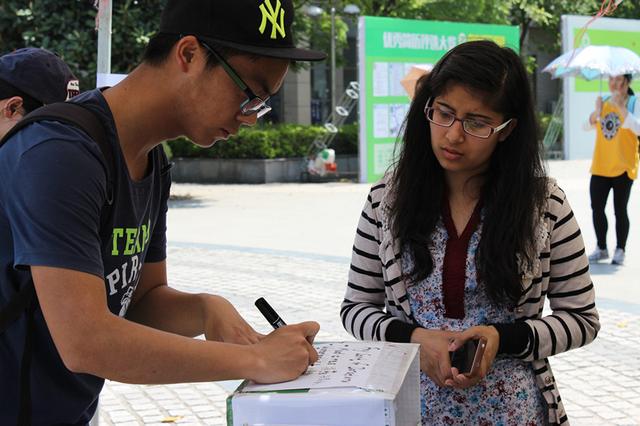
[(377, 294)]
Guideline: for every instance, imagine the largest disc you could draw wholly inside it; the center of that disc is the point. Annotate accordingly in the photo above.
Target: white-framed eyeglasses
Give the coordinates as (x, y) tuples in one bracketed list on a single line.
[(471, 126)]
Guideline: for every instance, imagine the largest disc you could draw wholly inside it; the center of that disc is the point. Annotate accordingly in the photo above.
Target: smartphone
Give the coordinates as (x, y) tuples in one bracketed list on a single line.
[(467, 358)]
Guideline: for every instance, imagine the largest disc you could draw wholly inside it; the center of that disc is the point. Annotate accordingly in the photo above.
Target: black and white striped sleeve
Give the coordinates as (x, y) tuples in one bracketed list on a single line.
[(362, 311), (574, 320)]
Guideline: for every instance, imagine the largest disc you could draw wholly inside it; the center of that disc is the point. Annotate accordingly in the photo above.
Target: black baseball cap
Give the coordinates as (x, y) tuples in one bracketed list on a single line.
[(260, 27), (39, 74)]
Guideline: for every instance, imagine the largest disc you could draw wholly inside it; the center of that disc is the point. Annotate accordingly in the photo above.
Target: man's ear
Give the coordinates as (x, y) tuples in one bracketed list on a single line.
[(504, 134), (13, 108), (187, 51)]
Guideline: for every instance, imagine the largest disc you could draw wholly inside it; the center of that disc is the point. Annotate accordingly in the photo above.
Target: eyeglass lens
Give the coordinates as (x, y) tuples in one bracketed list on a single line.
[(446, 119), (255, 106)]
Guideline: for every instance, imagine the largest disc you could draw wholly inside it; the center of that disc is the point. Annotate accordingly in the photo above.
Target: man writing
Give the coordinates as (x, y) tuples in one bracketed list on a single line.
[(104, 307)]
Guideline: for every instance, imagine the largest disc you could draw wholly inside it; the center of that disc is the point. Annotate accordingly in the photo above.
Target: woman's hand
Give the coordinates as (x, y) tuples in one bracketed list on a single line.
[(490, 335), (224, 323), (593, 118), (434, 353)]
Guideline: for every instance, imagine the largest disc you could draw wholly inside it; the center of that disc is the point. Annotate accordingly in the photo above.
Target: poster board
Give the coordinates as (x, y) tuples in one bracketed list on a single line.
[(387, 49), (580, 95)]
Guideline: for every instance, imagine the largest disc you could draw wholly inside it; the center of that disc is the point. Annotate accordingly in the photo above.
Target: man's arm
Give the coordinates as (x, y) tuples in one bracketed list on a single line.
[(92, 340), (157, 305)]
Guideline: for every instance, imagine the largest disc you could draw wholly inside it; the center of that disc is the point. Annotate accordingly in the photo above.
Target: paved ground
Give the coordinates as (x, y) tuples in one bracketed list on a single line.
[(291, 244)]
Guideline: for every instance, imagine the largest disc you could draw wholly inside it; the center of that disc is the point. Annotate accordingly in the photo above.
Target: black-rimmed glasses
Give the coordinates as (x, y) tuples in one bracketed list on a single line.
[(254, 103), (471, 126)]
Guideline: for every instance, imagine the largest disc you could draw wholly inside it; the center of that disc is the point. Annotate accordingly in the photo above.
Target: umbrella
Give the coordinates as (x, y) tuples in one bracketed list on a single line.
[(593, 62), (411, 78)]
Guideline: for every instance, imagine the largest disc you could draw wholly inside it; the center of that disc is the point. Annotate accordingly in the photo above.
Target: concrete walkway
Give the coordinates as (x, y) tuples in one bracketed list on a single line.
[(292, 243)]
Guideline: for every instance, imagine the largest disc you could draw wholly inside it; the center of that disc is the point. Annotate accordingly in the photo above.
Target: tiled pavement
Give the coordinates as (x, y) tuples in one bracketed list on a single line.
[(598, 383)]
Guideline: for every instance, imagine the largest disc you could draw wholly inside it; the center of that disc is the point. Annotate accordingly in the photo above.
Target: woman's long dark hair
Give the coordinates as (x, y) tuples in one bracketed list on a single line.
[(629, 89), (514, 188)]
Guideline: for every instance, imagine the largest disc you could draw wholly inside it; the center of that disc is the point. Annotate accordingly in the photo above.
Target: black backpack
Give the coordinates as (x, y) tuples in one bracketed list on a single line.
[(86, 120)]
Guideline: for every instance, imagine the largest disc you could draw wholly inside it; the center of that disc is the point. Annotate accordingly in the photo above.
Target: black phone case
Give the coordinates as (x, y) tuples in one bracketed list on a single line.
[(462, 359)]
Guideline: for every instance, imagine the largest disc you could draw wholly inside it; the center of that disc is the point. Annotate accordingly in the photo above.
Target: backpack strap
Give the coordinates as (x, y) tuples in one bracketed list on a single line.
[(25, 300), (87, 121), (81, 117)]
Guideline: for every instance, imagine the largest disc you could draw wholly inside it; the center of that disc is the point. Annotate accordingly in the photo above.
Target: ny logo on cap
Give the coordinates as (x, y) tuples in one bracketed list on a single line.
[(268, 13)]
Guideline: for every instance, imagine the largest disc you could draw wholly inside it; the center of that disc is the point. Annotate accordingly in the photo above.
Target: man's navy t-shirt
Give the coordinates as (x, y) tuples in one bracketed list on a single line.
[(52, 195)]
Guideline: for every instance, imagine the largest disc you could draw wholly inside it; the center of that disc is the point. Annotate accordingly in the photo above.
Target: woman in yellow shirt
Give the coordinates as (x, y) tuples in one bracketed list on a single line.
[(615, 163)]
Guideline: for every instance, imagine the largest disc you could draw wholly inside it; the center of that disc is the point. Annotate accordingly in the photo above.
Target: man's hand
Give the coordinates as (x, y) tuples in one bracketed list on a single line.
[(223, 323), (434, 353), (491, 336), (285, 353)]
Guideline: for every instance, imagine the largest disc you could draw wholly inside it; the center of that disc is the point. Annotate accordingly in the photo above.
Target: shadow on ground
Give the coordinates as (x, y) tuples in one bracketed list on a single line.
[(186, 201), (603, 268)]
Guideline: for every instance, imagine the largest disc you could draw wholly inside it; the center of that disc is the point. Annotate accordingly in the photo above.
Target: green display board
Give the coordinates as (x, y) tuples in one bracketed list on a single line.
[(628, 39), (388, 49)]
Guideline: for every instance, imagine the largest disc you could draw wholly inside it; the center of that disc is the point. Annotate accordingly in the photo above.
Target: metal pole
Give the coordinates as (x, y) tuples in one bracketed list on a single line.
[(333, 58), (104, 37)]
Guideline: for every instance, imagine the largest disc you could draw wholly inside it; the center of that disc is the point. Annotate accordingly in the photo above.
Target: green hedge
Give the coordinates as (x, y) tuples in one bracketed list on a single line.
[(269, 141), (282, 141), (543, 121)]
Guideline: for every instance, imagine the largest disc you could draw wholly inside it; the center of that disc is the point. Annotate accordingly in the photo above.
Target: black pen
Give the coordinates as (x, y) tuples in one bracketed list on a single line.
[(268, 312)]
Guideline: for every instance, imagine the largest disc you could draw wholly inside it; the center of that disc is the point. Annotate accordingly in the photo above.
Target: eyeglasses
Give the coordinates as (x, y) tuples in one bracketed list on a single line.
[(470, 126), (254, 103)]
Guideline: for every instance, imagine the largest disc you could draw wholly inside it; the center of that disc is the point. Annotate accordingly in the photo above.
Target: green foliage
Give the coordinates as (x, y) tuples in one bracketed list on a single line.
[(346, 141), (316, 30), (530, 63), (552, 149), (544, 14), (167, 150), (269, 141), (68, 28), (543, 122)]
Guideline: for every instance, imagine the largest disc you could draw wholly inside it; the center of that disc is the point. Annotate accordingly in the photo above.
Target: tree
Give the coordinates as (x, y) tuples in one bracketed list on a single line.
[(68, 28), (546, 14)]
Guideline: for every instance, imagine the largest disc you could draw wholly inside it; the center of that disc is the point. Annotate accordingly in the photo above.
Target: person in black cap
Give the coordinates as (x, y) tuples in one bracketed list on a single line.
[(104, 307), (29, 78)]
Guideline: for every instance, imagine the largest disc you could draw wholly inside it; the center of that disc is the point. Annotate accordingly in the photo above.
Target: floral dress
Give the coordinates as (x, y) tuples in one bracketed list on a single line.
[(508, 395)]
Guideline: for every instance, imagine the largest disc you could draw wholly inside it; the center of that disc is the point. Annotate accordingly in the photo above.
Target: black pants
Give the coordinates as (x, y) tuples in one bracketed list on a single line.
[(599, 188)]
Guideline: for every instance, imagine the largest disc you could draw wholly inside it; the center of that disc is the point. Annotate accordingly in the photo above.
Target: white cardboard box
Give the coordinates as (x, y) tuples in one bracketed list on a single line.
[(352, 384)]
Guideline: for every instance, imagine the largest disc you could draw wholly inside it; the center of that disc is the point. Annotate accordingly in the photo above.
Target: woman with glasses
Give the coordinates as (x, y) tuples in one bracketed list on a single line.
[(465, 239)]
